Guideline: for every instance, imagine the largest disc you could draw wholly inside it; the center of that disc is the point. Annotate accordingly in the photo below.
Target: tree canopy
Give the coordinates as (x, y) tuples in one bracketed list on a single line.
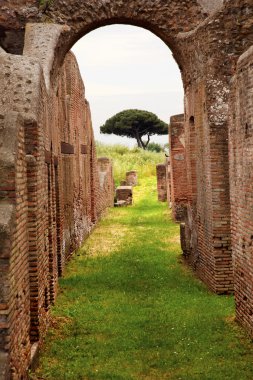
[(135, 124)]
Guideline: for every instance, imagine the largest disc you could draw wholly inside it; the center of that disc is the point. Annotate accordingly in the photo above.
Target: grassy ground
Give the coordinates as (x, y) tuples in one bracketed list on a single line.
[(128, 309)]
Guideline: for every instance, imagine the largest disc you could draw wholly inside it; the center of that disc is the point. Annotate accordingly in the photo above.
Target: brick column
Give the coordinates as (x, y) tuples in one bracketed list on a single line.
[(179, 186), (132, 178), (161, 182), (106, 182)]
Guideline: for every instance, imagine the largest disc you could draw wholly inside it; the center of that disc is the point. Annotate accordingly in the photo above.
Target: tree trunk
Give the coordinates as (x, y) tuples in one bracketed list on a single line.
[(138, 139), (145, 145), (141, 144)]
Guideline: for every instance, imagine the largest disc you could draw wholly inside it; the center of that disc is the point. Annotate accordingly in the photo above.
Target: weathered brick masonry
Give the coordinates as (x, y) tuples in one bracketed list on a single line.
[(52, 192), (132, 178), (179, 186), (43, 147), (161, 182), (124, 194), (168, 179), (241, 186)]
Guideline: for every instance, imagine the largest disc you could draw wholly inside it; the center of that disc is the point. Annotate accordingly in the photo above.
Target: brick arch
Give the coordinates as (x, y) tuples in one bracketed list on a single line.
[(164, 18), (167, 20)]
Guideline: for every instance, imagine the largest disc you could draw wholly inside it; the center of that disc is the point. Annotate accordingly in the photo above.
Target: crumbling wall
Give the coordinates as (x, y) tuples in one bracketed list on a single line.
[(13, 246), (207, 88), (241, 180), (207, 233), (161, 175), (179, 186), (77, 161), (50, 193), (23, 206)]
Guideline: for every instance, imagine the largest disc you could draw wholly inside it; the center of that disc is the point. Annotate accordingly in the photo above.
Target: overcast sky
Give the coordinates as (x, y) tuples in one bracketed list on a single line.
[(128, 67)]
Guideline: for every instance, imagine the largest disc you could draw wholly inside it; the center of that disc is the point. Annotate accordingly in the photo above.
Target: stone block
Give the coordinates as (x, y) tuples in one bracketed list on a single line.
[(125, 193), (132, 178), (162, 182)]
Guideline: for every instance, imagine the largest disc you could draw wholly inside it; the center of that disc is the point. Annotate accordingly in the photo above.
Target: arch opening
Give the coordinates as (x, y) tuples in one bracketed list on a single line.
[(127, 67)]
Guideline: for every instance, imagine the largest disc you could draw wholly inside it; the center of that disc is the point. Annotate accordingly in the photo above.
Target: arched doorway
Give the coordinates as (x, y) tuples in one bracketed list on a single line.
[(127, 67)]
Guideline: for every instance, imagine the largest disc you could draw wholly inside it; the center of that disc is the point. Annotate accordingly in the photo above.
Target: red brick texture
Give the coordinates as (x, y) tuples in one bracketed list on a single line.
[(53, 191), (124, 194), (179, 186), (132, 178), (241, 190), (168, 179), (162, 182)]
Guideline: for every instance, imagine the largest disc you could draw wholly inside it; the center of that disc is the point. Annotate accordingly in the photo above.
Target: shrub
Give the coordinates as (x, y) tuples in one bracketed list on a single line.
[(154, 147)]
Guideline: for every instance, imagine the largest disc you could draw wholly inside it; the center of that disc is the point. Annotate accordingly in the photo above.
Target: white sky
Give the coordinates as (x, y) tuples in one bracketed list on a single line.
[(128, 67)]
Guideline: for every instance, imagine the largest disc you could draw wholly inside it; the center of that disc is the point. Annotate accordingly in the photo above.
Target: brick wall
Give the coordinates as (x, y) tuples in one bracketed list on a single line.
[(206, 230), (14, 265), (19, 154), (241, 179), (51, 196), (179, 186)]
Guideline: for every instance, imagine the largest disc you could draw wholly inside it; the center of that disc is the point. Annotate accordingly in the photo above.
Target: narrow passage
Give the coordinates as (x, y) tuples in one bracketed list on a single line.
[(129, 309)]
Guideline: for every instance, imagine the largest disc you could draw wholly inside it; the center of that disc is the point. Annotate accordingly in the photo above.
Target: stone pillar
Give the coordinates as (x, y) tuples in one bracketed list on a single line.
[(132, 178), (168, 179), (103, 164), (161, 182), (103, 167), (106, 182), (179, 188)]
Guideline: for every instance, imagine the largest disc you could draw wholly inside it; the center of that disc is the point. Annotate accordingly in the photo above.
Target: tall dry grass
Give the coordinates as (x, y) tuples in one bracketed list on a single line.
[(126, 159)]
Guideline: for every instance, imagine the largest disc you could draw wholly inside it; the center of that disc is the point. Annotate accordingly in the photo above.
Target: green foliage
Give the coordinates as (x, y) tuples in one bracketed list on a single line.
[(45, 3), (154, 147), (126, 159), (127, 309), (135, 124)]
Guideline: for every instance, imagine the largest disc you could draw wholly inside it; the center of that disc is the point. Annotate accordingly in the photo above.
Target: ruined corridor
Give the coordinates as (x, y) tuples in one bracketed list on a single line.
[(128, 308), (54, 189)]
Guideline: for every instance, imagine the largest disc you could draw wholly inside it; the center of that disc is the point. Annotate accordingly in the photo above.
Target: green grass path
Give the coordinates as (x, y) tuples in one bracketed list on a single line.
[(128, 309)]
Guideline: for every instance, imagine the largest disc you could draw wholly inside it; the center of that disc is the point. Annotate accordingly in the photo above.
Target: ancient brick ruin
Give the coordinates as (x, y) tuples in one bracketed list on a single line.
[(132, 178), (124, 196), (52, 192), (179, 188), (162, 182), (45, 148)]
